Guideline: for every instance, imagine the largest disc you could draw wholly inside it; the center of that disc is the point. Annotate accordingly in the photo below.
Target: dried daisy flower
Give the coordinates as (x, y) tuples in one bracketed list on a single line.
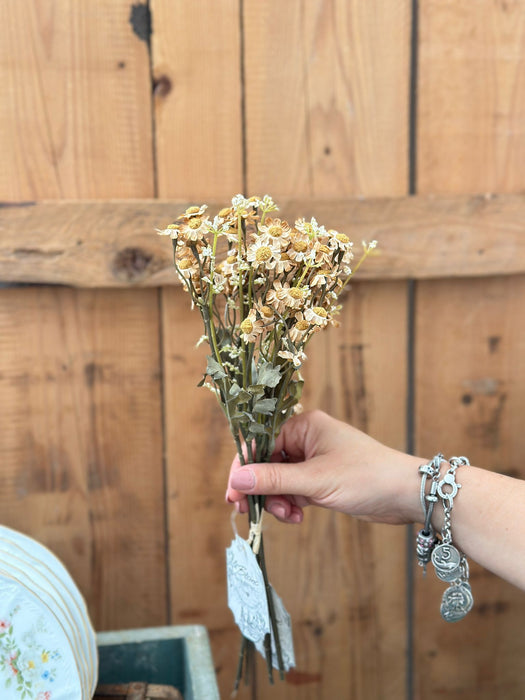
[(264, 288)]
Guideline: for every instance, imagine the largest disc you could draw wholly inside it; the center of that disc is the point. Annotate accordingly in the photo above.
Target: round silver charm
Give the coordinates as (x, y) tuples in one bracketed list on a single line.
[(446, 559), (457, 601)]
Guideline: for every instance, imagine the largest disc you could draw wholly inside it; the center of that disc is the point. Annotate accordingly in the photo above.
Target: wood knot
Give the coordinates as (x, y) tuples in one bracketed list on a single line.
[(162, 86), (131, 264)]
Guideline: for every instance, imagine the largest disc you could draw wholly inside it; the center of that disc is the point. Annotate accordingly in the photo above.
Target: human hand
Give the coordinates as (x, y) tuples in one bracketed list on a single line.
[(332, 465)]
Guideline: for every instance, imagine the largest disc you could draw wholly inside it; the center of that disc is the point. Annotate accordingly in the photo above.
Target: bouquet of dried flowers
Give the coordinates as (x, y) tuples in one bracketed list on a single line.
[(264, 288)]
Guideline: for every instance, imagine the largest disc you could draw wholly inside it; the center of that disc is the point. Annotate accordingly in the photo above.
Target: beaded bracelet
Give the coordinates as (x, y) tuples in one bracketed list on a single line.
[(449, 563)]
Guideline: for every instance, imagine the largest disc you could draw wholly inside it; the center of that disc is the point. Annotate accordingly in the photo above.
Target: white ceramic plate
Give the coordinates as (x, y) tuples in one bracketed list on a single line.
[(36, 660), (21, 559), (42, 588), (43, 554)]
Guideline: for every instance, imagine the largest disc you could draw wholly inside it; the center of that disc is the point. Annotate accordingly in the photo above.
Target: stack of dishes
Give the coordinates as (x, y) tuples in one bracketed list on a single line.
[(48, 648)]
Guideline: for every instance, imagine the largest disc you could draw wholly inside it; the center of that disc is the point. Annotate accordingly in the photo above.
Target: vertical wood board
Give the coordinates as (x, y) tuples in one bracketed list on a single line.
[(326, 116), (327, 97), (81, 370), (470, 380), (471, 399), (471, 96), (81, 441), (75, 115), (196, 53)]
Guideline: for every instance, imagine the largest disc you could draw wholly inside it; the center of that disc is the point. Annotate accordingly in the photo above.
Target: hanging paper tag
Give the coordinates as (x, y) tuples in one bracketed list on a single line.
[(284, 629), (246, 593)]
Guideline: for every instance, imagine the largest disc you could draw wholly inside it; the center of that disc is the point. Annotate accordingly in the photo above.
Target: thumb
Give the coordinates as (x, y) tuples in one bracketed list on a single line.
[(275, 478)]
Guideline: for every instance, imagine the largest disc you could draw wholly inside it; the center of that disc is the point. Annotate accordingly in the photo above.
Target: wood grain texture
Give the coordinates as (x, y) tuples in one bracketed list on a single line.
[(81, 437), (199, 450), (343, 580), (81, 441), (471, 98), (113, 244), (75, 111), (470, 382), (196, 53), (317, 130), (197, 77), (326, 91), (471, 400)]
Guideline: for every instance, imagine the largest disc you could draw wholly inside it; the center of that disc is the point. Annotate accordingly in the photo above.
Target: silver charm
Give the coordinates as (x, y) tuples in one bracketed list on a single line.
[(446, 559), (457, 601)]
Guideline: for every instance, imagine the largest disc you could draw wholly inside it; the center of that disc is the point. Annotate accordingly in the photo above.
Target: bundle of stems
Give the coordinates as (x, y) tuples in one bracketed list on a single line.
[(264, 288)]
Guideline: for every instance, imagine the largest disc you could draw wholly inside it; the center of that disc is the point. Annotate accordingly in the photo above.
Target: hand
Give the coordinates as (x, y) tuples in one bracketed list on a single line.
[(332, 465)]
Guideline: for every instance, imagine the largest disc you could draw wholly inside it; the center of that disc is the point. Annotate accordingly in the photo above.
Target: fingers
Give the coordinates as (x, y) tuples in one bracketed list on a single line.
[(284, 509), (275, 479), (281, 507)]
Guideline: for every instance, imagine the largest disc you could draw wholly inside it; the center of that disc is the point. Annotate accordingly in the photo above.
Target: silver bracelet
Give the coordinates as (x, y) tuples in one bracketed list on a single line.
[(426, 538), (449, 563)]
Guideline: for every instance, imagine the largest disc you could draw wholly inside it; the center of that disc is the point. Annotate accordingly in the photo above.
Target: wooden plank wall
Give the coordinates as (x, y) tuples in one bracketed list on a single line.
[(109, 453), (81, 433), (471, 137)]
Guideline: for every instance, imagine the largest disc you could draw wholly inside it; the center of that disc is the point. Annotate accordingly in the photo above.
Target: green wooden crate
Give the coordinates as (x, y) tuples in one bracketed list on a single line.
[(177, 655)]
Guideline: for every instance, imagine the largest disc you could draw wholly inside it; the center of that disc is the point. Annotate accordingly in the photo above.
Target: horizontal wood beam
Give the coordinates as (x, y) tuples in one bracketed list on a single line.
[(113, 243)]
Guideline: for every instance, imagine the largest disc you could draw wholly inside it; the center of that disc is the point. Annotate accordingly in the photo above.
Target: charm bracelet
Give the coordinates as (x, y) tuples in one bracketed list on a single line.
[(449, 563)]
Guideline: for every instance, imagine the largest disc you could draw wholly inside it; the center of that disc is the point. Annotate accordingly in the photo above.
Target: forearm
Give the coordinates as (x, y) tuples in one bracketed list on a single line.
[(487, 523)]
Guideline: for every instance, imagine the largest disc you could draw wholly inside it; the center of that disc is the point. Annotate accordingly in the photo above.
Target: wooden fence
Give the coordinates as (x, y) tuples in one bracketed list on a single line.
[(397, 120)]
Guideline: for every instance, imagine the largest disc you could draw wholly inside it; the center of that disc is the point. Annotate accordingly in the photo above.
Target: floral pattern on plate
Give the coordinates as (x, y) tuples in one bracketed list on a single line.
[(36, 662), (31, 668)]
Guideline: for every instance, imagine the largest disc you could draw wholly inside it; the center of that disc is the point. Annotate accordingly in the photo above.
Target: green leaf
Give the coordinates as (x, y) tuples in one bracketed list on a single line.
[(238, 395), (269, 375), (256, 390), (257, 429), (214, 369), (265, 406), (234, 389)]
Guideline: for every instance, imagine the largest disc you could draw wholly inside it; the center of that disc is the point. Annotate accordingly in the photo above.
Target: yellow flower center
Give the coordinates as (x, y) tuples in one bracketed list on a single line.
[(192, 210), (230, 259), (224, 212), (266, 312), (296, 293), (285, 256), (324, 249), (275, 231), (185, 263), (300, 246), (247, 326), (172, 226), (343, 238), (195, 222), (302, 325), (320, 311), (264, 253)]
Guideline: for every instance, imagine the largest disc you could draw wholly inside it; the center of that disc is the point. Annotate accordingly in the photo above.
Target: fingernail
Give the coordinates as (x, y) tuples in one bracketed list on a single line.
[(278, 510), (243, 480), (226, 497)]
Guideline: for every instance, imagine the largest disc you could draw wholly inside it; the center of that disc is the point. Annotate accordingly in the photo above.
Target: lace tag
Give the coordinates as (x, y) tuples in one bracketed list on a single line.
[(284, 628), (246, 593)]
